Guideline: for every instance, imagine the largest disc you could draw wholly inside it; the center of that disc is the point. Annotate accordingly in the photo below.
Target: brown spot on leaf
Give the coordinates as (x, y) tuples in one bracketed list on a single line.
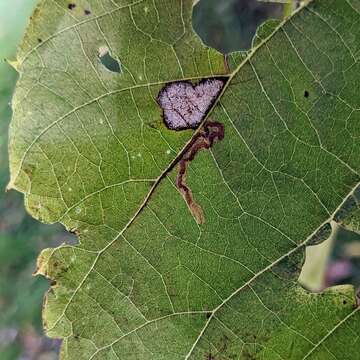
[(224, 343), (209, 356), (71, 6), (210, 133)]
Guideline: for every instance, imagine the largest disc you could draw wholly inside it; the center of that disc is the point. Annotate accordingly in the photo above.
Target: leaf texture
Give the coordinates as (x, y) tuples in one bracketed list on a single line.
[(89, 149)]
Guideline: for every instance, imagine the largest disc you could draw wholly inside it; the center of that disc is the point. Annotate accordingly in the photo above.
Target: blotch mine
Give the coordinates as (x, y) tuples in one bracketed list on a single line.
[(185, 105)]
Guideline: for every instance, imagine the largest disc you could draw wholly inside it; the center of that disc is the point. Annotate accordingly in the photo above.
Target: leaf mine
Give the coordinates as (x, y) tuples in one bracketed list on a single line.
[(185, 105), (211, 132)]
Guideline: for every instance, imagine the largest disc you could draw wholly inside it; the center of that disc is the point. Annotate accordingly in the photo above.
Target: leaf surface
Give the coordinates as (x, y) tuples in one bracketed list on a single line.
[(89, 149)]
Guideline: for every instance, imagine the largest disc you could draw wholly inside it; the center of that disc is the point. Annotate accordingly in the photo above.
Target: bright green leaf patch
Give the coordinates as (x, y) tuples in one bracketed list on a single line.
[(89, 148)]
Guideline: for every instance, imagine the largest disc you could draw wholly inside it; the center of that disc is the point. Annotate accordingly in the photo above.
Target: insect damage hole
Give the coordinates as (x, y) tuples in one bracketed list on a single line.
[(208, 135), (108, 61), (230, 25), (185, 105)]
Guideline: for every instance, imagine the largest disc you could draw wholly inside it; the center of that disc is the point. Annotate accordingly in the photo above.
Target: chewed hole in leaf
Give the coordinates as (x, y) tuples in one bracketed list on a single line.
[(230, 25), (185, 105), (332, 262), (312, 274), (109, 62)]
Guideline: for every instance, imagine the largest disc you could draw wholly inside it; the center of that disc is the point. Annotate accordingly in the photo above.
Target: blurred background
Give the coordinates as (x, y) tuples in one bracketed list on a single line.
[(227, 25), (21, 237)]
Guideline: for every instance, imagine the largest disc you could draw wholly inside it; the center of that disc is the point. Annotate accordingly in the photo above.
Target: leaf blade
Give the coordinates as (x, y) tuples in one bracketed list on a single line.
[(276, 138)]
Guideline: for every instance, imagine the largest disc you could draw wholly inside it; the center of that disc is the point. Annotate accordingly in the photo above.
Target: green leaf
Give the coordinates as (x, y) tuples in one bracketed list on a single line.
[(89, 149)]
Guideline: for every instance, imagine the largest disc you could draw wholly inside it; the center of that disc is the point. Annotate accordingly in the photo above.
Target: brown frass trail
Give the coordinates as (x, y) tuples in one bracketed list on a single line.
[(209, 134)]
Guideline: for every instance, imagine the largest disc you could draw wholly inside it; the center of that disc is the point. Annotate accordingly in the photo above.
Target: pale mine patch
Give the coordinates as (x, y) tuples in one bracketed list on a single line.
[(185, 105)]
